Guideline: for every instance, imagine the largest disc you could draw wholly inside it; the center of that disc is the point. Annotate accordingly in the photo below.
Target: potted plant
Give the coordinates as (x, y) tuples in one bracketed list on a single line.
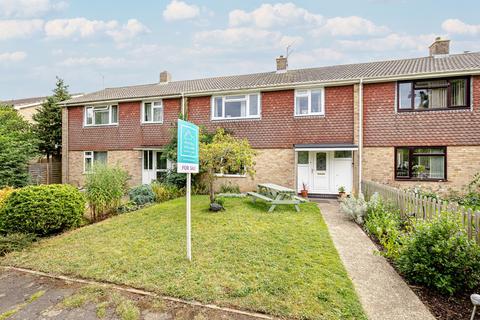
[(304, 191), (341, 192)]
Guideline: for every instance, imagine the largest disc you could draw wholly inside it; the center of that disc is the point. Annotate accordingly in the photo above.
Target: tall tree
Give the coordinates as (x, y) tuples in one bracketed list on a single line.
[(48, 126), (18, 145)]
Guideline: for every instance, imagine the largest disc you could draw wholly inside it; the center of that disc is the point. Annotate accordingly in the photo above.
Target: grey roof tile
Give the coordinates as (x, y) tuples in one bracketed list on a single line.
[(368, 70)]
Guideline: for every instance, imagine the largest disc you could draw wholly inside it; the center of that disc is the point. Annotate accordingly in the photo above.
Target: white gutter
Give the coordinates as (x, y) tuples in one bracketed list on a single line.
[(360, 134)]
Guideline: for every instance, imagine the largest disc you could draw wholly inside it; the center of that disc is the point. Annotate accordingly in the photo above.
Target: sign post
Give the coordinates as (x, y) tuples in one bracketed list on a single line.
[(187, 162)]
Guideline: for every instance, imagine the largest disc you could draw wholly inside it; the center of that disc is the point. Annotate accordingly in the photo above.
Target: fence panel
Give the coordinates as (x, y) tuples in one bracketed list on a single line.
[(45, 173), (411, 204)]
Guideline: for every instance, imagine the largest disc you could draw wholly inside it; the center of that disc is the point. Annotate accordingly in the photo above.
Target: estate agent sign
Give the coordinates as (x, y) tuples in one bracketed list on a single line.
[(187, 162)]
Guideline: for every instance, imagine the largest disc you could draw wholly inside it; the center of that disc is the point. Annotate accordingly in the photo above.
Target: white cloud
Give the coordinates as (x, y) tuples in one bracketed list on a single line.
[(84, 28), (350, 26), (391, 42), (129, 31), (268, 16), (12, 29), (29, 8), (179, 10), (456, 26), (93, 61), (316, 56), (245, 37), (12, 56)]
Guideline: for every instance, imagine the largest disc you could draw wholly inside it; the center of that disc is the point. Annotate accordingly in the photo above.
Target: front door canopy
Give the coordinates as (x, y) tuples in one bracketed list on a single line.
[(325, 147)]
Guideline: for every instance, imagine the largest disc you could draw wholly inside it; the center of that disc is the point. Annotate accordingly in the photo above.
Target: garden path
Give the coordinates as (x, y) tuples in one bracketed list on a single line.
[(382, 292)]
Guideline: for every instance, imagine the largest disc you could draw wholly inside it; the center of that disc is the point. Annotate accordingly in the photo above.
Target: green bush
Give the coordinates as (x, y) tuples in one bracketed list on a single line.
[(104, 189), (15, 242), (164, 192), (142, 194), (42, 210), (385, 224), (229, 187), (172, 177), (439, 255), (4, 194)]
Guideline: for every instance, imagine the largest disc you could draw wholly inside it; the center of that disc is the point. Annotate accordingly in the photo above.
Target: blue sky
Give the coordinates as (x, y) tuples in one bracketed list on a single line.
[(109, 43)]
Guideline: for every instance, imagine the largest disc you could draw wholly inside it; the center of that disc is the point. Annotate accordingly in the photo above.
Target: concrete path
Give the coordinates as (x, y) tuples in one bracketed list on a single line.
[(382, 292)]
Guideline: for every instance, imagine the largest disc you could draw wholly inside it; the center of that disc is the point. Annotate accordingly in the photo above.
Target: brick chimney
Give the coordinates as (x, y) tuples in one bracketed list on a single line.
[(439, 47), (282, 64), (165, 77)]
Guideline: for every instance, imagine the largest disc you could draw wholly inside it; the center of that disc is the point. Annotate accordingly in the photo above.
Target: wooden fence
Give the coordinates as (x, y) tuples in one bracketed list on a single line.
[(45, 173), (421, 207)]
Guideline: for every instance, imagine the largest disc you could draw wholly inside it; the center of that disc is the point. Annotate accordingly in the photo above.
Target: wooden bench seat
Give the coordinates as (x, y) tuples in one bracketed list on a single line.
[(260, 196)]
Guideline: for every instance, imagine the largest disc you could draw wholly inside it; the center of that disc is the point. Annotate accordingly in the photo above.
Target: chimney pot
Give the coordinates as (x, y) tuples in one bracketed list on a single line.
[(439, 47), (165, 77), (282, 64)]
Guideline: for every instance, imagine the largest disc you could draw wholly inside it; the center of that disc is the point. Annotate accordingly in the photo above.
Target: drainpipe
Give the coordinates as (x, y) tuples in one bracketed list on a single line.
[(183, 107), (360, 134)]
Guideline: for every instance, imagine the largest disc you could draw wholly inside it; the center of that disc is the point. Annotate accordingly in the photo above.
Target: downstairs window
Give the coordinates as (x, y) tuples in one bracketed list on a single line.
[(92, 157), (421, 163)]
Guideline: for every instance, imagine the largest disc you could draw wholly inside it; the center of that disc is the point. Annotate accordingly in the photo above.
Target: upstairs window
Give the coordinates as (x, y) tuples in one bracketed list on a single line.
[(236, 107), (152, 112), (309, 102), (418, 163), (92, 157), (433, 94), (101, 115)]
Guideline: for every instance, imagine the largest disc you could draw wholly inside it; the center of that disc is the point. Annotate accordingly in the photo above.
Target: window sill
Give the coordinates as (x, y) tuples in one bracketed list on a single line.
[(418, 180), (100, 125), (433, 110), (219, 175), (310, 115), (235, 119), (151, 123)]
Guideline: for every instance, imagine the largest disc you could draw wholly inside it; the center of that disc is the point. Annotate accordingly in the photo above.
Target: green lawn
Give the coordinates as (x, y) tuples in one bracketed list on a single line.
[(283, 263)]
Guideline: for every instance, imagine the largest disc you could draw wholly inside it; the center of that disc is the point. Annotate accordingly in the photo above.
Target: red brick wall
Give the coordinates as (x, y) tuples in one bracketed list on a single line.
[(278, 128), (128, 134), (384, 127)]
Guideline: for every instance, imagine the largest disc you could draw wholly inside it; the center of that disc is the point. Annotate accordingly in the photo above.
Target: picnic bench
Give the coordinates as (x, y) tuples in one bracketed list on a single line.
[(276, 195)]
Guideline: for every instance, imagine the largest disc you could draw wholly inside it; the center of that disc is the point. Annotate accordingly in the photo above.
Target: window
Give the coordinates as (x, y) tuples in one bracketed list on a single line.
[(92, 157), (321, 161), (420, 163), (342, 154), (236, 107), (152, 112), (302, 157), (157, 162), (309, 102), (101, 115), (161, 167), (433, 94)]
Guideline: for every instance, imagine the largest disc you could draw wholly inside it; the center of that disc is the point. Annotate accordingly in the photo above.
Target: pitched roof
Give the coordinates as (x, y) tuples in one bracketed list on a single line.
[(25, 101), (467, 62)]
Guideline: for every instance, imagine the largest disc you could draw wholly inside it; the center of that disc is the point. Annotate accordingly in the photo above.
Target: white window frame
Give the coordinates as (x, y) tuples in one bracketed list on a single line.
[(247, 99), (152, 105), (308, 94), (110, 115), (90, 155)]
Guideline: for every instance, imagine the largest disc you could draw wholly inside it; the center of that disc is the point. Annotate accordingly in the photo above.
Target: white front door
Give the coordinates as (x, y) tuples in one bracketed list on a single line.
[(321, 172), (343, 168), (154, 165)]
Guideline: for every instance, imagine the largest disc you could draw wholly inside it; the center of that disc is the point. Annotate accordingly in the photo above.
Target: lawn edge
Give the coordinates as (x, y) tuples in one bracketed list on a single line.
[(138, 291)]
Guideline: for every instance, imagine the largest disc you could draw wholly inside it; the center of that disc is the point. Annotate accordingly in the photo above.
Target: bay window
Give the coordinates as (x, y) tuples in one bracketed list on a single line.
[(309, 102), (236, 106), (152, 112), (101, 115), (433, 94), (92, 157), (420, 163)]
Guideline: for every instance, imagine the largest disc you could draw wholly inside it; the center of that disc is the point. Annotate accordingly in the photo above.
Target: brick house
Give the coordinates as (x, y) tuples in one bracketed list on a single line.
[(390, 121)]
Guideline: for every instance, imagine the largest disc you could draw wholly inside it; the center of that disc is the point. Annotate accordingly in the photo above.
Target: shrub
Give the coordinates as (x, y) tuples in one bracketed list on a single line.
[(385, 224), (164, 192), (104, 189), (355, 208), (42, 210), (229, 187), (220, 201), (15, 242), (142, 194), (4, 194), (439, 255)]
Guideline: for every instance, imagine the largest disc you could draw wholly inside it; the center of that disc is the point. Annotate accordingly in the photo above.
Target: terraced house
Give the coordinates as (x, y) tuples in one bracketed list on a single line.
[(402, 122)]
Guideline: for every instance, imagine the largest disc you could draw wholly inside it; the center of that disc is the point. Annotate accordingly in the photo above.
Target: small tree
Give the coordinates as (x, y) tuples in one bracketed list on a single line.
[(48, 127), (18, 146), (225, 153)]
